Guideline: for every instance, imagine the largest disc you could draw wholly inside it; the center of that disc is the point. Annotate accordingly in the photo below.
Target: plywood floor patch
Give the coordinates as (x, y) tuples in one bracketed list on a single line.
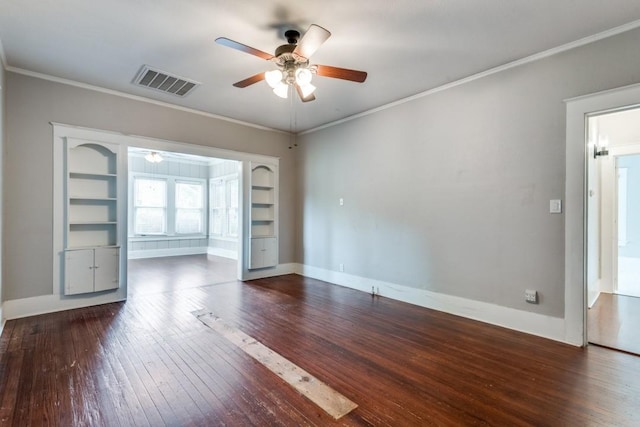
[(332, 402)]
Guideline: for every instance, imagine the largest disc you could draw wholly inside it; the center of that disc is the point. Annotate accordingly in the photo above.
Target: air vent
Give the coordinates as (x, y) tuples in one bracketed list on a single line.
[(164, 82)]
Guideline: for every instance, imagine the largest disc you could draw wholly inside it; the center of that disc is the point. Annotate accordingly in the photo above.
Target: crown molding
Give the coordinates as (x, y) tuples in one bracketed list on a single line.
[(526, 60), (139, 98)]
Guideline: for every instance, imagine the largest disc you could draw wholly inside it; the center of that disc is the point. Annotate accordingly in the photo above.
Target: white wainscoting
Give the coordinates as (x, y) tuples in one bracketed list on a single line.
[(224, 253), (154, 253)]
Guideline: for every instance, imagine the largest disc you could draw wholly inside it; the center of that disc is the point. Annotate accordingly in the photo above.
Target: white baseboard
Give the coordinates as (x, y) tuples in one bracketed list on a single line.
[(18, 308), (523, 321), (593, 297), (279, 270), (224, 253), (155, 253)]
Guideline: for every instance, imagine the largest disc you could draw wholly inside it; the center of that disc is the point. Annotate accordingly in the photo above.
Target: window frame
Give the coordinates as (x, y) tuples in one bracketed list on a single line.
[(223, 182), (171, 205), (136, 207)]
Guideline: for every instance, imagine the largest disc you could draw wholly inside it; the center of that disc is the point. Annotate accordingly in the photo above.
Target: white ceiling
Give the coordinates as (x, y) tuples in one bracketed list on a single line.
[(406, 46)]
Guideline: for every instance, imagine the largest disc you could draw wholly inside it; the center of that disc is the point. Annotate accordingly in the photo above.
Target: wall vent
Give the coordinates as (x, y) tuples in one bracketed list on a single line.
[(164, 82)]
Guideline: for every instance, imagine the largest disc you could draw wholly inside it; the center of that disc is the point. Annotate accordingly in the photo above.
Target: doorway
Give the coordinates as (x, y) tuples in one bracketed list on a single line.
[(613, 231), (183, 221)]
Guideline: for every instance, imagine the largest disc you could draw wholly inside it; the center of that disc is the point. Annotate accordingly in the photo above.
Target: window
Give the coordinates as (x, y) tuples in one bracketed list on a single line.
[(167, 205), (189, 210), (150, 206), (223, 217)]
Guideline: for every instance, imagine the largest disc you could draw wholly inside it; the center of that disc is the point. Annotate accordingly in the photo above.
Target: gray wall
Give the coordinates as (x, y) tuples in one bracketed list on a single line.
[(632, 248), (33, 103), (450, 192)]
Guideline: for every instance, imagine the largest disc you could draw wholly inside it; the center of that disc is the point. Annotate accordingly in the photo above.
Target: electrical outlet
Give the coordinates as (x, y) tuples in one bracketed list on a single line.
[(342, 267), (531, 296)]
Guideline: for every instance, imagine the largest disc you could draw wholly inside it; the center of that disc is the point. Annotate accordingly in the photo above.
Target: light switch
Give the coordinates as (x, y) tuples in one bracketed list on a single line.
[(555, 206)]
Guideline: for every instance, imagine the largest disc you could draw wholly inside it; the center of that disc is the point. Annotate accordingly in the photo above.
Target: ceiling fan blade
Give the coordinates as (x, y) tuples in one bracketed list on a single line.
[(249, 81), (341, 73), (243, 48), (311, 41), (310, 97)]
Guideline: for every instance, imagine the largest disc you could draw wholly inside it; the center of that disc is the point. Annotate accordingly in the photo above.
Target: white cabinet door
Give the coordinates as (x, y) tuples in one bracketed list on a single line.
[(78, 269), (264, 252), (270, 251), (106, 269)]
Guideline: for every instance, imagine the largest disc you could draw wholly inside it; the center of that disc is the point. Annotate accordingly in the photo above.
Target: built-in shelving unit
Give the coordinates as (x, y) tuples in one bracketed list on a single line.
[(91, 241), (263, 218)]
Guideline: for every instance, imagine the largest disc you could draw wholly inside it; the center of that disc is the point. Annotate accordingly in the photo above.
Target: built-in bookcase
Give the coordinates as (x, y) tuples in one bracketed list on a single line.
[(91, 241), (264, 214)]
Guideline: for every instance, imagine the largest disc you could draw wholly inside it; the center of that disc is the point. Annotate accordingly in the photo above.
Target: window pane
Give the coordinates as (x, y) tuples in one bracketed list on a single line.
[(150, 193), (149, 221), (217, 190), (188, 221), (233, 222), (216, 221), (232, 191), (188, 195)]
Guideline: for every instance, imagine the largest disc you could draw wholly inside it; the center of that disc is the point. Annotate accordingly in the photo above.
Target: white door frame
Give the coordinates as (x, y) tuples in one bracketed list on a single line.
[(578, 111)]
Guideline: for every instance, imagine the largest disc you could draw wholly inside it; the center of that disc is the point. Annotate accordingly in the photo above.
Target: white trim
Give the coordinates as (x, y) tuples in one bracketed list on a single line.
[(593, 299), (526, 60), (156, 253), (2, 319), (578, 110), (523, 321), (531, 58), (135, 97), (109, 136), (224, 253), (278, 270), (25, 307)]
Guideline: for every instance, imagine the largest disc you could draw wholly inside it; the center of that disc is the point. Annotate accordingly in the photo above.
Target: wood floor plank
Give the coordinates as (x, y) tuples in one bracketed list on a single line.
[(614, 322), (150, 362)]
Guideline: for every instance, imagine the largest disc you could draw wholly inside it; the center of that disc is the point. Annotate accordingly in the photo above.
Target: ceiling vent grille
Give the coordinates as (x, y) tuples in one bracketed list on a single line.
[(164, 82)]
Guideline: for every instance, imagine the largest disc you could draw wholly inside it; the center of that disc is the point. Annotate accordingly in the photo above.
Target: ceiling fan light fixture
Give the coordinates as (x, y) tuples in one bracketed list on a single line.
[(303, 76), (273, 77), (282, 90), (307, 89)]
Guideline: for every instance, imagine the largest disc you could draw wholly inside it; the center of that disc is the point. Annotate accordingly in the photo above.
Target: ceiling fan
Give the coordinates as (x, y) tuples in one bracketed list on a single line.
[(292, 60)]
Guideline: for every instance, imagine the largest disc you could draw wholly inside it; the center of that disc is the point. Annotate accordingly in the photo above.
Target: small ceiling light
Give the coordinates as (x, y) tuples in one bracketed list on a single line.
[(153, 157)]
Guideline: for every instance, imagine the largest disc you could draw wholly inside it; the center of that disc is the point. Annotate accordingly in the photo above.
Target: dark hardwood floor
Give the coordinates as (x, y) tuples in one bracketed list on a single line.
[(614, 322), (151, 275), (150, 361)]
